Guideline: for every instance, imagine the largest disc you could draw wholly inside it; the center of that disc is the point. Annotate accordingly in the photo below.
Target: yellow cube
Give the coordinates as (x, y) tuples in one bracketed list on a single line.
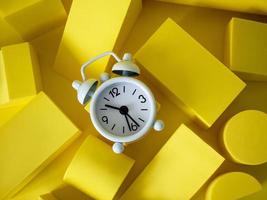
[(246, 49), (96, 170), (179, 169), (193, 78), (30, 141), (31, 18), (255, 6), (244, 137), (232, 185), (19, 73), (93, 27)]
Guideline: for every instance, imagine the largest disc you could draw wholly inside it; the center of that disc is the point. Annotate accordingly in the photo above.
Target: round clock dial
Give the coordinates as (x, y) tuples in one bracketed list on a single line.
[(123, 109)]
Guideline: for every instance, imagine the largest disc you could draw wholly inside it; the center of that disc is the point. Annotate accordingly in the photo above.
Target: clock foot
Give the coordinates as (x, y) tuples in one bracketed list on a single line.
[(104, 77), (118, 147), (158, 125)]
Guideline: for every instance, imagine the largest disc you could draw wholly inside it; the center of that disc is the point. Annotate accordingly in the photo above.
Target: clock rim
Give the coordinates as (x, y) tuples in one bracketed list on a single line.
[(129, 138)]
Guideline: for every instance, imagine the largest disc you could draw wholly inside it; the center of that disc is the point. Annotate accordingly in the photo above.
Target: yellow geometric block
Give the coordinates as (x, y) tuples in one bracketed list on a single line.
[(262, 194), (8, 34), (19, 73), (179, 169), (50, 179), (96, 170), (246, 49), (244, 137), (255, 6), (31, 18), (68, 192), (233, 185), (94, 26), (193, 78), (32, 139), (8, 111)]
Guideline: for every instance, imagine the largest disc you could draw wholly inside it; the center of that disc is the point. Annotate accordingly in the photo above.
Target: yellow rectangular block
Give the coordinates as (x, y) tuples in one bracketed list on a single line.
[(249, 6), (30, 140), (68, 192), (8, 34), (192, 77), (31, 18), (96, 170), (179, 169), (19, 73), (246, 49), (50, 179), (93, 27), (7, 112)]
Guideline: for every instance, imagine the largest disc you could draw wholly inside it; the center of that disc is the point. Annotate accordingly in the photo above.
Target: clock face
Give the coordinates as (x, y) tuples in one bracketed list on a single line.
[(123, 107)]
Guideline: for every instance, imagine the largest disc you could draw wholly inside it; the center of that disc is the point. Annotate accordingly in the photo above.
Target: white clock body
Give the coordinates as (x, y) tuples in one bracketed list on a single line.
[(123, 109)]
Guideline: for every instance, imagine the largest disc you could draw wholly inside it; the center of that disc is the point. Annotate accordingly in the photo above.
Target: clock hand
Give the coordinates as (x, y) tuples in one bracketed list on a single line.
[(124, 111), (109, 106), (128, 122), (132, 119)]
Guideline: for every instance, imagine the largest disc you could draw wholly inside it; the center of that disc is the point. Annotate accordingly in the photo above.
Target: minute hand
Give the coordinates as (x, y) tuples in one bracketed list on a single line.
[(132, 119)]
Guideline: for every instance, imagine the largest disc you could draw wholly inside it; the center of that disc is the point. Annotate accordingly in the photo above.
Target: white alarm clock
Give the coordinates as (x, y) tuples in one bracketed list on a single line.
[(122, 109)]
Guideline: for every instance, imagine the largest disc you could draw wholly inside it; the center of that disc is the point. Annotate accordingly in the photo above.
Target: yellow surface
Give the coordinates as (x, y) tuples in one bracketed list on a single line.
[(8, 34), (8, 7), (190, 74), (48, 196), (259, 172), (249, 6), (68, 192), (19, 73), (180, 168), (7, 112), (94, 26), (232, 186), (87, 107), (245, 139), (31, 140), (31, 18), (96, 170), (246, 49)]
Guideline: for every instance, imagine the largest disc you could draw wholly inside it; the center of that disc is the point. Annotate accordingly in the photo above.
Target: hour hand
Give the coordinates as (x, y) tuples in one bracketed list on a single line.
[(113, 107)]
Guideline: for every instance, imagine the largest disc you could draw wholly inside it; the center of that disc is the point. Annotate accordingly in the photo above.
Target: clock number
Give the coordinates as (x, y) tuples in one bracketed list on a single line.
[(134, 126), (105, 119), (142, 98), (114, 92)]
